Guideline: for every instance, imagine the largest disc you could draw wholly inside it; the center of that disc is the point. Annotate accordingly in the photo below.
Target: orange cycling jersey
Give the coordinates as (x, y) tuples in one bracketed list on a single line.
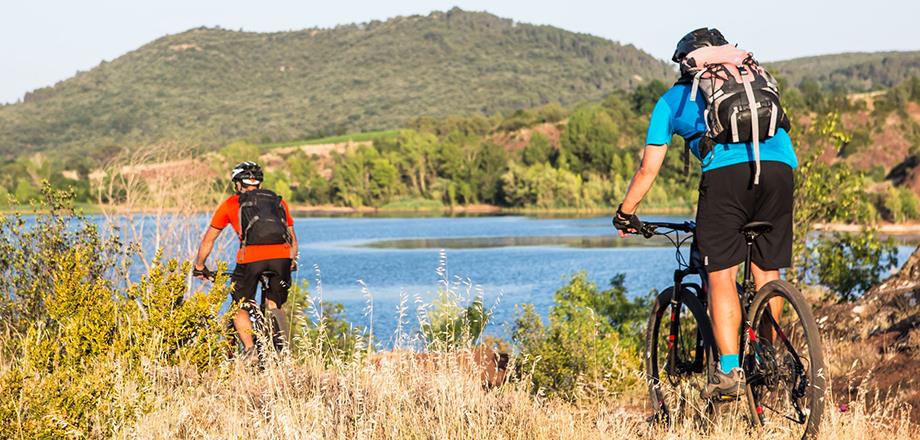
[(229, 213)]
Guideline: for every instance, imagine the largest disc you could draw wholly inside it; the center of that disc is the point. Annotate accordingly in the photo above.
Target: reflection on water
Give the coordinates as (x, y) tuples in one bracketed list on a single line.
[(606, 241)]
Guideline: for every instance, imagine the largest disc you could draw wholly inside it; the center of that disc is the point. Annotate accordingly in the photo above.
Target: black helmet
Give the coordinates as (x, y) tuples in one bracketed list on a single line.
[(701, 37), (247, 173)]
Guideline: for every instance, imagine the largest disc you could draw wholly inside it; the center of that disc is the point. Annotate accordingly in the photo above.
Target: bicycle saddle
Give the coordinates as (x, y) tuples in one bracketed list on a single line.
[(757, 228)]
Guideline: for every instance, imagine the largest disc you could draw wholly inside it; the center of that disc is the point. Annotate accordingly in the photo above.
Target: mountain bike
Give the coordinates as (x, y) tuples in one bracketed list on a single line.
[(781, 352)]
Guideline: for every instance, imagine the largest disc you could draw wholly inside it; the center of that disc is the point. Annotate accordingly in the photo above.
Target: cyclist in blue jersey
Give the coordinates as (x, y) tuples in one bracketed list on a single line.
[(728, 199)]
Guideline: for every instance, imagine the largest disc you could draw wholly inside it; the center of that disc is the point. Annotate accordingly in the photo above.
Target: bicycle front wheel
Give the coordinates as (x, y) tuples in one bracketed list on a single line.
[(676, 376), (784, 362)]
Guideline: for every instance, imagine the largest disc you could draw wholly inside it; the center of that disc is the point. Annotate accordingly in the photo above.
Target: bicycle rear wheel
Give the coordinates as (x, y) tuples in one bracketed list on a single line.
[(278, 329), (675, 382), (784, 362)]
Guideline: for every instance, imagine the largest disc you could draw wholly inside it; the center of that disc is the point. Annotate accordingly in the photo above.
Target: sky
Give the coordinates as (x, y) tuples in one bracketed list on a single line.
[(43, 41)]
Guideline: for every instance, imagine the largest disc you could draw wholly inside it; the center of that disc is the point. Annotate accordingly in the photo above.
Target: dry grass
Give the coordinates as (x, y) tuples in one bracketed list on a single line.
[(407, 399)]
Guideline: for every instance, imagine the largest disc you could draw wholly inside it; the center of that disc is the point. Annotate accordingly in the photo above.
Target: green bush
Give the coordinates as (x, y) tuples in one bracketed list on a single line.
[(78, 348), (450, 325), (900, 204), (591, 344), (852, 263), (319, 329)]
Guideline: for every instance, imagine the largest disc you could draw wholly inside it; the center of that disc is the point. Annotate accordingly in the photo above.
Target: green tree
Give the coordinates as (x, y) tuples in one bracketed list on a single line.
[(538, 150), (418, 165), (25, 191), (240, 151), (852, 263), (489, 164), (892, 202), (351, 177), (384, 180), (307, 183), (589, 141), (900, 203), (644, 97), (278, 183)]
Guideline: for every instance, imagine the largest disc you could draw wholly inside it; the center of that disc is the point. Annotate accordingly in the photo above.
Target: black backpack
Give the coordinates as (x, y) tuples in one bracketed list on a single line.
[(731, 90), (262, 218)]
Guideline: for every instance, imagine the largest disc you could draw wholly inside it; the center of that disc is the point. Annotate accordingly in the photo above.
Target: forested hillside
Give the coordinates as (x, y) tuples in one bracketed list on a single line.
[(850, 72), (212, 86)]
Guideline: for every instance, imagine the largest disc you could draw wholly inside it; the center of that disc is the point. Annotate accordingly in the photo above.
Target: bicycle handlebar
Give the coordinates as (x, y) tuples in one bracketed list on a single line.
[(650, 229)]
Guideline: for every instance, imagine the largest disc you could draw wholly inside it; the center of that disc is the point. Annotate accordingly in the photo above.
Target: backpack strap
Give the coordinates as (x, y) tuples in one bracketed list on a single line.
[(696, 83), (746, 78), (773, 115), (734, 123), (243, 232)]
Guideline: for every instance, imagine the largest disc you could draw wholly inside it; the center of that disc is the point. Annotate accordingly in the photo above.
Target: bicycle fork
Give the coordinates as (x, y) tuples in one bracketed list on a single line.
[(672, 366)]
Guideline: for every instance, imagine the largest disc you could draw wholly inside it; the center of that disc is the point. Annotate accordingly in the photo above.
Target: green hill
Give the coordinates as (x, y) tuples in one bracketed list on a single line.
[(852, 72), (210, 86)]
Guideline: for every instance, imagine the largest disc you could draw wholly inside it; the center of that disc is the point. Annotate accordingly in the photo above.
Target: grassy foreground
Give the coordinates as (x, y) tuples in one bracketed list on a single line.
[(406, 399)]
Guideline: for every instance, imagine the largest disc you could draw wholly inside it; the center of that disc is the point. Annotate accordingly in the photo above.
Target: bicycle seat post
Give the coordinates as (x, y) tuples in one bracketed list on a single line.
[(751, 231)]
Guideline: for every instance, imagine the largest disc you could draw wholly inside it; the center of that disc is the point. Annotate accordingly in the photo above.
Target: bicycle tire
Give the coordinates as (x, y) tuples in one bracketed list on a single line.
[(816, 368), (279, 330), (657, 325)]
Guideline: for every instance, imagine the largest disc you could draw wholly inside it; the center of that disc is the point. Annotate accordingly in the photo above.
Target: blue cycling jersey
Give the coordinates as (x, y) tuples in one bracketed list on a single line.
[(676, 114)]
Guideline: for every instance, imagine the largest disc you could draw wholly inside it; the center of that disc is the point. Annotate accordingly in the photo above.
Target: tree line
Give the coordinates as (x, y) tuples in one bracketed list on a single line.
[(578, 157)]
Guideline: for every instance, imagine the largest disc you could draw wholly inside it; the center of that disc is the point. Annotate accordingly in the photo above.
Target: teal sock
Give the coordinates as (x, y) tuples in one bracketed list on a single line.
[(728, 361)]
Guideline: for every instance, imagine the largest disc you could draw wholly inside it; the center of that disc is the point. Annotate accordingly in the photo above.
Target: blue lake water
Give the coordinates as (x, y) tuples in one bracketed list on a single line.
[(510, 259)]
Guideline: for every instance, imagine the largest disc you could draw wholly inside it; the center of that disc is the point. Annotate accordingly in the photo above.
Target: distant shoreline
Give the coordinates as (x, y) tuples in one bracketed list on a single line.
[(478, 209), (893, 229)]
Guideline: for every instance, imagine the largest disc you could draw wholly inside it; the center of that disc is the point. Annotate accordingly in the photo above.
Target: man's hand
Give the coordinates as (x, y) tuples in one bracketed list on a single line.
[(626, 223), (293, 265), (202, 273)]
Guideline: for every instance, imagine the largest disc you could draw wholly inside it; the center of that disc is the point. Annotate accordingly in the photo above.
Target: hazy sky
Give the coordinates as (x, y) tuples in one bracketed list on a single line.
[(42, 41)]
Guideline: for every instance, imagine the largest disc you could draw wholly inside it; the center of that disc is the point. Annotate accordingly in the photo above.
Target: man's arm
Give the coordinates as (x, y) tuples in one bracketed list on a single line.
[(294, 251), (642, 181), (207, 245)]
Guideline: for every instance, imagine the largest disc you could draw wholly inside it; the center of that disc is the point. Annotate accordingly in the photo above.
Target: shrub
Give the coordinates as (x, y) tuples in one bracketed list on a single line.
[(851, 263), (77, 344), (449, 325), (590, 345), (901, 204), (319, 329)]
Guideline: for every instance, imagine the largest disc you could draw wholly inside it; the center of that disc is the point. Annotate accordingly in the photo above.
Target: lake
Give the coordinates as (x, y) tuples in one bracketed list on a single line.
[(509, 259)]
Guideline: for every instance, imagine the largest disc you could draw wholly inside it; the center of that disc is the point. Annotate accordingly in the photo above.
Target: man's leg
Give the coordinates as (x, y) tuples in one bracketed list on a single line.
[(725, 310), (243, 327), (278, 287), (244, 281)]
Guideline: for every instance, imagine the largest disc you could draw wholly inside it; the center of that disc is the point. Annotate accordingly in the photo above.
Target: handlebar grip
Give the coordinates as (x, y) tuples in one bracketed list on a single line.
[(204, 273)]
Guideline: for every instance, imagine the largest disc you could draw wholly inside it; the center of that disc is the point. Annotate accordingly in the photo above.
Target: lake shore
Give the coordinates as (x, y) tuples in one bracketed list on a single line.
[(911, 229), (475, 209)]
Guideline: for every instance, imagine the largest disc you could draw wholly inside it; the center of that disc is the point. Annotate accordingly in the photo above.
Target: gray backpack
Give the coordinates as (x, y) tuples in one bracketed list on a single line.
[(742, 99)]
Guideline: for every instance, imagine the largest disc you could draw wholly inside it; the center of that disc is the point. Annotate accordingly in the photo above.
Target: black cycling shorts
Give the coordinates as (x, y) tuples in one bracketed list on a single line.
[(245, 280), (728, 200)]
